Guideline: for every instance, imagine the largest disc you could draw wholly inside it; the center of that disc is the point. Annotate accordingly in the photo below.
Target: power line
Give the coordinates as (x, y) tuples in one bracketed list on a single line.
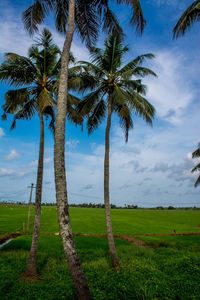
[(31, 187)]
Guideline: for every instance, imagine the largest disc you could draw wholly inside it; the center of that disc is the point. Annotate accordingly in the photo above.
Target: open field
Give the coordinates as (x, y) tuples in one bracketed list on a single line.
[(162, 267)]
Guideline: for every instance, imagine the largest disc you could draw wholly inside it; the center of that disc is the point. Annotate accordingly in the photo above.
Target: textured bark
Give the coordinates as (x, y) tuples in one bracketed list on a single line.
[(78, 276), (31, 270), (111, 242)]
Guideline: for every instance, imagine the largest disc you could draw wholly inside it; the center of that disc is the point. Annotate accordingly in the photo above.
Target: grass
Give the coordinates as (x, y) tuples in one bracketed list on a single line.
[(168, 269), (91, 220)]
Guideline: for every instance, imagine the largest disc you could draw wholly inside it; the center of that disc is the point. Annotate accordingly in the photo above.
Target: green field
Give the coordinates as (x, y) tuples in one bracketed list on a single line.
[(168, 268)]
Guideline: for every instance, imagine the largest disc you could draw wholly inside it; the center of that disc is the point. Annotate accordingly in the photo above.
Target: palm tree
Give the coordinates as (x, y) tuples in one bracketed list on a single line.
[(113, 90), (35, 78), (196, 154), (85, 17), (189, 16)]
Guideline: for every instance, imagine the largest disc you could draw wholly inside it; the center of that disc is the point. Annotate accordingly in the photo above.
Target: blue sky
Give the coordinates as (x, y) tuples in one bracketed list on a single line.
[(154, 167)]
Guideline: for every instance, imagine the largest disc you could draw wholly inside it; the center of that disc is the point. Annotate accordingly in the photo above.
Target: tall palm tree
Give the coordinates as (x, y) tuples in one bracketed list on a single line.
[(35, 78), (85, 17), (113, 89), (196, 154), (189, 16)]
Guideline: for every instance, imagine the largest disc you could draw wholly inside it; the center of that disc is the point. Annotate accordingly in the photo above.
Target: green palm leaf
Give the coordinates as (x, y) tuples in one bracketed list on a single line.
[(190, 15), (104, 78)]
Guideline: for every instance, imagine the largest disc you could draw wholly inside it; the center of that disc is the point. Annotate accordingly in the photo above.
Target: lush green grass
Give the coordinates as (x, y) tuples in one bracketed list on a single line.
[(169, 269), (91, 220)]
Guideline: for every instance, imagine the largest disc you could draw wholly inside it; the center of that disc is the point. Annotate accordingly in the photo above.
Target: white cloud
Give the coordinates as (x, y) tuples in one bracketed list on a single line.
[(6, 172), (12, 155), (2, 133), (79, 51), (173, 91), (11, 26), (72, 143), (48, 160), (12, 30)]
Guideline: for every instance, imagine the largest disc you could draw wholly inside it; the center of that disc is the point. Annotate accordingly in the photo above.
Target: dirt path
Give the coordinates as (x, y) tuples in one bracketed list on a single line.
[(137, 242), (134, 241), (130, 239)]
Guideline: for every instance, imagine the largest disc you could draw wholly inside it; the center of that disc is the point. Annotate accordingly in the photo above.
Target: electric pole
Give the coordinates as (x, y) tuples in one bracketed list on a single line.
[(29, 204)]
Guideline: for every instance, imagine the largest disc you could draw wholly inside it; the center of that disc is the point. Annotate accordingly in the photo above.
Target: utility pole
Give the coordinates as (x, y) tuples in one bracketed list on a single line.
[(29, 204)]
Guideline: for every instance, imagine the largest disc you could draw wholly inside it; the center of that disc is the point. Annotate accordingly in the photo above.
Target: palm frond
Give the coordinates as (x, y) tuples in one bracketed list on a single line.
[(36, 13), (96, 116), (135, 85), (83, 82), (73, 114), (125, 117), (89, 102), (113, 53), (189, 16), (49, 113), (17, 70), (141, 107), (130, 67), (196, 168), (96, 55), (15, 99), (4, 116), (196, 153), (25, 112), (87, 21), (91, 68), (137, 18), (110, 22), (197, 182)]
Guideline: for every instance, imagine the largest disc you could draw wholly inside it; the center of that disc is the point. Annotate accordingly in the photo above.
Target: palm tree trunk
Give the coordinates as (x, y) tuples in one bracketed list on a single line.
[(78, 276), (31, 270), (111, 243)]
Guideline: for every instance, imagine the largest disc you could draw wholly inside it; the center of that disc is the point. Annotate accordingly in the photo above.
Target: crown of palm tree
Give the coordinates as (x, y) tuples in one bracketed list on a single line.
[(190, 15), (89, 16), (104, 78), (35, 79)]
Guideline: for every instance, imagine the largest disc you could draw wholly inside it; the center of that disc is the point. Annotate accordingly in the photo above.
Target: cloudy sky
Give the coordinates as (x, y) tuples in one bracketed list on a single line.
[(154, 167)]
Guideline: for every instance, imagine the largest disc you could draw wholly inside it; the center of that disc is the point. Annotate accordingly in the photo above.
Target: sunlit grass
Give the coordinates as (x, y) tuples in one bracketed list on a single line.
[(168, 269)]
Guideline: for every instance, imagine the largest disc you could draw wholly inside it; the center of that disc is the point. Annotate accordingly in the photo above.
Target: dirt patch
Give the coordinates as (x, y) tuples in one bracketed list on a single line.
[(133, 240), (6, 237), (90, 234), (130, 239), (137, 242)]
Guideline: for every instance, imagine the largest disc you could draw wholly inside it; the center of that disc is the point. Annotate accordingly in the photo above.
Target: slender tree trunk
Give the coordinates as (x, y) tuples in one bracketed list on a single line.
[(111, 242), (31, 270), (78, 276), (29, 208)]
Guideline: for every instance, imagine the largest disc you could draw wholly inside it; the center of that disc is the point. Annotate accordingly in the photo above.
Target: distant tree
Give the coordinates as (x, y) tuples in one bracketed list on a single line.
[(113, 89), (170, 207), (196, 154), (189, 16)]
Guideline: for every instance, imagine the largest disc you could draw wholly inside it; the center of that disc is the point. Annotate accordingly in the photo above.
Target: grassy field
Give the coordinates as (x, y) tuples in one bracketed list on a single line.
[(168, 268)]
